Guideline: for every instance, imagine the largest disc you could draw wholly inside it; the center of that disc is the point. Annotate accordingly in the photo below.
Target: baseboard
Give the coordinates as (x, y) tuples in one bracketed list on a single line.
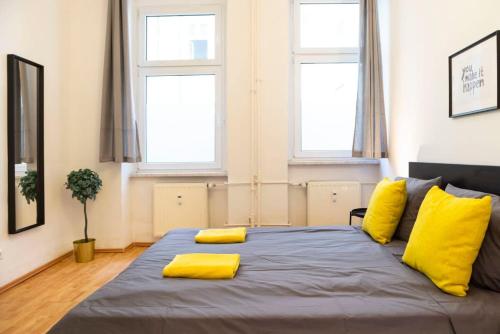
[(32, 273), (123, 250), (38, 270), (142, 244), (111, 250)]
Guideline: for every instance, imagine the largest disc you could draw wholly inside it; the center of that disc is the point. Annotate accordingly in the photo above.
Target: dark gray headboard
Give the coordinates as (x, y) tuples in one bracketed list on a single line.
[(474, 177)]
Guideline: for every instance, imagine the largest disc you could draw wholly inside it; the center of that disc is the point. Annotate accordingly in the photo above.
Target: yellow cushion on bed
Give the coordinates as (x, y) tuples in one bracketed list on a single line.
[(205, 266), (385, 209), (221, 236), (446, 239)]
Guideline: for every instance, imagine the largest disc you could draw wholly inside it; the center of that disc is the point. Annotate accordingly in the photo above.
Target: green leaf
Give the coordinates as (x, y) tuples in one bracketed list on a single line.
[(27, 186), (84, 184)]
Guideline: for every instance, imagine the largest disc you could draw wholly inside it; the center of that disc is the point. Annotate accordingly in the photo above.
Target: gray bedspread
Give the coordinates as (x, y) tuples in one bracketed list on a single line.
[(291, 280)]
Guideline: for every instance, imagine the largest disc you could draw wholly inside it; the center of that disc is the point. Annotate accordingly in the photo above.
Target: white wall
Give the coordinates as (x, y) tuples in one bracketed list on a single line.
[(281, 203), (424, 34), (67, 37), (85, 37), (42, 40)]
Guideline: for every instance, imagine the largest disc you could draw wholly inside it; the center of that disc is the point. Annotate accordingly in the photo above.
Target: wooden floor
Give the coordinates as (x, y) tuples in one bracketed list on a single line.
[(39, 302)]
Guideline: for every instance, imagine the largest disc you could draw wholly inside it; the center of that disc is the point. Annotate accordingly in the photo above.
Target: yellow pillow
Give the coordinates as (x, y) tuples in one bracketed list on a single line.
[(446, 239), (385, 209)]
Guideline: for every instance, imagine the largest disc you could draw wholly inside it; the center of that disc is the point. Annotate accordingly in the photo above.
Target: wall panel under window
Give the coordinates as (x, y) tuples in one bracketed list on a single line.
[(281, 203)]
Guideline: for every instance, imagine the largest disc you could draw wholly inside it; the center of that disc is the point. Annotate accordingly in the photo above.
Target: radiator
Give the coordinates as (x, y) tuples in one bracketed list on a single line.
[(179, 205), (329, 203)]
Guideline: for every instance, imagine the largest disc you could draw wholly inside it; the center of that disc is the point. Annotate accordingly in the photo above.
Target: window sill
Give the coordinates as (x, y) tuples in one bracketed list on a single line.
[(333, 161), (178, 173)]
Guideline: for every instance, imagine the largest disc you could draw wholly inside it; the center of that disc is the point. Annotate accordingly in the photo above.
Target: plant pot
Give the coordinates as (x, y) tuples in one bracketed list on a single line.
[(84, 251)]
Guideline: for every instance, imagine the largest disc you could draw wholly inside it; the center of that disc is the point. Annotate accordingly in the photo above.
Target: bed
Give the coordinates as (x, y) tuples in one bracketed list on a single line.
[(291, 280)]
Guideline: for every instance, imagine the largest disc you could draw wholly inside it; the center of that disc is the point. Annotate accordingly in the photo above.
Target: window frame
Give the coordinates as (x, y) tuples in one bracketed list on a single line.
[(313, 56), (173, 10), (179, 68)]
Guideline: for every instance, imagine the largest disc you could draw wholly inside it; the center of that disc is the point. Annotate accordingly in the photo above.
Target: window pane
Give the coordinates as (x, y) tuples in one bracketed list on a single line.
[(328, 105), (180, 37), (329, 25), (180, 112)]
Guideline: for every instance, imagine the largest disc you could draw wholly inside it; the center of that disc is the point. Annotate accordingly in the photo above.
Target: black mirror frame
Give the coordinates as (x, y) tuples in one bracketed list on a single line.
[(11, 91)]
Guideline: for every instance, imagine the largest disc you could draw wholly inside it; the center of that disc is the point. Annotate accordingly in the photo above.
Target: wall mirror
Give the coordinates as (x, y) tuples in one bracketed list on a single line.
[(25, 144)]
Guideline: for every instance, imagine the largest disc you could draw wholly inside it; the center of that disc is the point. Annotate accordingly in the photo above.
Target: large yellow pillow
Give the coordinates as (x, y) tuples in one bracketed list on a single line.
[(385, 209), (446, 239)]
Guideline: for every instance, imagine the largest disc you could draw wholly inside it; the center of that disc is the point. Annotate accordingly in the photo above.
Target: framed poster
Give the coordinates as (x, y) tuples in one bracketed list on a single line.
[(474, 74)]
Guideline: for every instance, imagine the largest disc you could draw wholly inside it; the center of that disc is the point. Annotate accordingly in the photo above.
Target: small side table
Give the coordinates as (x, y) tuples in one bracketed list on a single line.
[(359, 212)]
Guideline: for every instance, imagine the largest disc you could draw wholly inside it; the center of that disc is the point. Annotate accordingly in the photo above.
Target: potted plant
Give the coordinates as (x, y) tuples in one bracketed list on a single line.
[(84, 184), (27, 186)]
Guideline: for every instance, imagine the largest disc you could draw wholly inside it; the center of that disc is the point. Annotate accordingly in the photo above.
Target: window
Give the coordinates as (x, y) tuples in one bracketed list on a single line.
[(180, 37), (181, 84), (325, 58)]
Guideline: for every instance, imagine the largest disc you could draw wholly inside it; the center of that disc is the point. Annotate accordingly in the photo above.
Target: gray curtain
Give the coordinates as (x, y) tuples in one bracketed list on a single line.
[(25, 115), (370, 134), (119, 140)]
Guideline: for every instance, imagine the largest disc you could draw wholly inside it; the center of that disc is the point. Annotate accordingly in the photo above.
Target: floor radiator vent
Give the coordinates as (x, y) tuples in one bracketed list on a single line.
[(179, 205), (329, 203)]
